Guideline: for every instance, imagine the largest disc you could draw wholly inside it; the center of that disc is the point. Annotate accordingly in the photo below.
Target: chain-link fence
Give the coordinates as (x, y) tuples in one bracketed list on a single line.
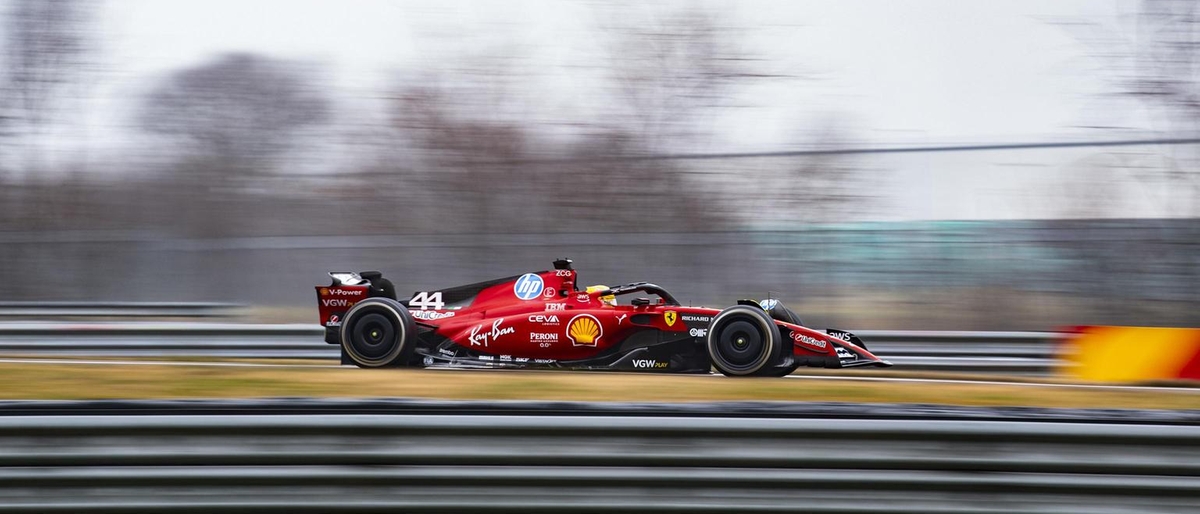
[(927, 275)]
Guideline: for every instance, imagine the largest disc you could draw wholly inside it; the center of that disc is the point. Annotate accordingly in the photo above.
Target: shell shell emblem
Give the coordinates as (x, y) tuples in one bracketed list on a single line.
[(324, 291), (584, 330)]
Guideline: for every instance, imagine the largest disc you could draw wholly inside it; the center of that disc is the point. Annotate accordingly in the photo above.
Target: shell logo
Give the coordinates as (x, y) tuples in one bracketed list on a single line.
[(324, 291), (584, 330)]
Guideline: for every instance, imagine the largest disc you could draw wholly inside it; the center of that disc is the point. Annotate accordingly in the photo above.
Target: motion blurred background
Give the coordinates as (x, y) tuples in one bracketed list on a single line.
[(232, 151)]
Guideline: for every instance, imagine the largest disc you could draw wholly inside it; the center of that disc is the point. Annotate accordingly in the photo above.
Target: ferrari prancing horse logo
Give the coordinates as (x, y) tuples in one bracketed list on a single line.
[(670, 317)]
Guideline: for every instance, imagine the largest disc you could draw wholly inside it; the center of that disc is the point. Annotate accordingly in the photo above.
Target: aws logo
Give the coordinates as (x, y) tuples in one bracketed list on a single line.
[(670, 317), (584, 330)]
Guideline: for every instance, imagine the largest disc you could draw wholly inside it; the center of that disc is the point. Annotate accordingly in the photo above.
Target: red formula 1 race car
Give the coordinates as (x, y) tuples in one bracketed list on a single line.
[(543, 320)]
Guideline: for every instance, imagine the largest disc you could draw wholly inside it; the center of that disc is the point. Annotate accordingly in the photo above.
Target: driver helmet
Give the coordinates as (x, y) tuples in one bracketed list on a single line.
[(608, 300)]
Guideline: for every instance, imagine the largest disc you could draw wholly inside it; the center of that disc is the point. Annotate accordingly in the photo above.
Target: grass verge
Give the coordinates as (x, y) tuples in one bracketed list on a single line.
[(79, 381)]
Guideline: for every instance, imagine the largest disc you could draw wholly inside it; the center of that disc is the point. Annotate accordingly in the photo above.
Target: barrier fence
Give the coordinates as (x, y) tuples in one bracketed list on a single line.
[(26, 310), (972, 275), (697, 460), (983, 352)]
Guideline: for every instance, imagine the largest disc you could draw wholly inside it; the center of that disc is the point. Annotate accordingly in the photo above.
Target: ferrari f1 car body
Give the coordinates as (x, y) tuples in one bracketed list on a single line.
[(543, 320)]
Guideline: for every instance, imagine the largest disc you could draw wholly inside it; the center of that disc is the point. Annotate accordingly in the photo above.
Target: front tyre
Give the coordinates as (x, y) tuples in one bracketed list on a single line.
[(377, 332), (742, 340)]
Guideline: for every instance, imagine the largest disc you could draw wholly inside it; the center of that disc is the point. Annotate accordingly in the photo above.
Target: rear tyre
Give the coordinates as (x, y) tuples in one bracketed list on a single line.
[(742, 341), (377, 332)]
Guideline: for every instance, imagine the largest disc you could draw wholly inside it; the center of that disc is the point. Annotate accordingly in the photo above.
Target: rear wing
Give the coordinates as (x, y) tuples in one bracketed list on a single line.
[(346, 278), (346, 289)]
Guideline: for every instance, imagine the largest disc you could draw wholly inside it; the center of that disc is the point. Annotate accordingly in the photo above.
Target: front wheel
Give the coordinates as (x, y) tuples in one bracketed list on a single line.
[(376, 332), (742, 340)]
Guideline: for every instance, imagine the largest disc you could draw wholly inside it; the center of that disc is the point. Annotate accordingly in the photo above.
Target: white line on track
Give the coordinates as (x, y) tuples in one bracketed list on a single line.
[(996, 382), (165, 363)]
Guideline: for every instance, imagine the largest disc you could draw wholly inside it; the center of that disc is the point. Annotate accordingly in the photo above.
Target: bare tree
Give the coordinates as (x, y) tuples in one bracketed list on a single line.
[(667, 75), (1153, 59), (468, 162), (227, 124), (676, 71), (487, 175), (673, 70), (820, 188), (45, 47), (236, 113), (1165, 76)]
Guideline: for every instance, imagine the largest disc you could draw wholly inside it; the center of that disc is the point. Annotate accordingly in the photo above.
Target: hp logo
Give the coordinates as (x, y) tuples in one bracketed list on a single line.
[(528, 287)]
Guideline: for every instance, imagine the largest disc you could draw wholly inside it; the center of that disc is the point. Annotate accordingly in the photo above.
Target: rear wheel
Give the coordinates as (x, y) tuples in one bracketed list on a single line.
[(376, 332), (742, 341)]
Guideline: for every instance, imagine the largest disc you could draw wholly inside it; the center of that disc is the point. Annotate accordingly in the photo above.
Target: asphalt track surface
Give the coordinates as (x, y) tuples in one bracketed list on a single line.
[(1025, 382)]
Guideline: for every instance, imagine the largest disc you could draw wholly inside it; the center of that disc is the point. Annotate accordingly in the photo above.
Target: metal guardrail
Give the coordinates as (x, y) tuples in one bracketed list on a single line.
[(977, 352), (565, 463), (988, 352), (167, 339), (27, 310)]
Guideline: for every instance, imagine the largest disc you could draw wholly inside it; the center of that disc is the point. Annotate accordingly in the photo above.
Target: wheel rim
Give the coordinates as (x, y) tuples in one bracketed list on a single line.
[(740, 345), (373, 336)]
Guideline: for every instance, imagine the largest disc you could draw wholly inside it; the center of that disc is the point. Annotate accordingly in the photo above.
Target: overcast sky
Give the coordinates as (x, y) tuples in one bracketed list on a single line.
[(914, 71)]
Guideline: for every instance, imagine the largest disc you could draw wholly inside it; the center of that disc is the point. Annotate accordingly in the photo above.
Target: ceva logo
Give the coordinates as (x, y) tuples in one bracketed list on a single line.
[(528, 287)]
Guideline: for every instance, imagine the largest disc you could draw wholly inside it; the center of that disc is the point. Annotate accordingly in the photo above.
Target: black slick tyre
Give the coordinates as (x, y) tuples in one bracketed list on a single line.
[(377, 332), (742, 341)]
